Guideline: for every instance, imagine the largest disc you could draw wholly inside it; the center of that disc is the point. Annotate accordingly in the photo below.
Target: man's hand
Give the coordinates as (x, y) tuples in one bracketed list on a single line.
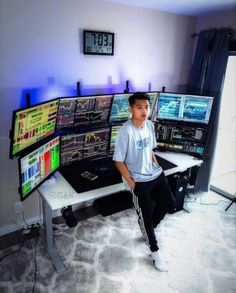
[(122, 168)]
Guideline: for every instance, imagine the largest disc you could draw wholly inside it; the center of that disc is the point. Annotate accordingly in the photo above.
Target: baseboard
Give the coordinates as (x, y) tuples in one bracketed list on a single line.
[(15, 227), (56, 214), (221, 192)]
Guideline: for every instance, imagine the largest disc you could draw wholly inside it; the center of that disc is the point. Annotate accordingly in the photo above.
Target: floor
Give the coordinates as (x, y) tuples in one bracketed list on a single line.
[(108, 254)]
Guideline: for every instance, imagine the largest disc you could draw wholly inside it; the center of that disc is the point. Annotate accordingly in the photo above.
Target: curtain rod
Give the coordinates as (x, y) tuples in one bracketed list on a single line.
[(229, 28)]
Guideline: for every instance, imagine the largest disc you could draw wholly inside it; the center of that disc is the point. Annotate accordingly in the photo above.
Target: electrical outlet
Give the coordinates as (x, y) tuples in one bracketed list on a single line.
[(18, 207)]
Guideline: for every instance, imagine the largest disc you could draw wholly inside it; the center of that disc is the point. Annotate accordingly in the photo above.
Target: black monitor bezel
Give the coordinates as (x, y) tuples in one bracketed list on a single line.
[(11, 135), (23, 197)]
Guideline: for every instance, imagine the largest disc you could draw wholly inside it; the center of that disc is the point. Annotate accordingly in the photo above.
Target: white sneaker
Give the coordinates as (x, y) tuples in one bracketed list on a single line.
[(158, 261)]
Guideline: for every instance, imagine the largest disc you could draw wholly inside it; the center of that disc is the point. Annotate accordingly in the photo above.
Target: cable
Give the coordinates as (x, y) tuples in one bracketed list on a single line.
[(23, 218), (187, 199), (35, 264), (12, 252), (40, 212), (213, 204)]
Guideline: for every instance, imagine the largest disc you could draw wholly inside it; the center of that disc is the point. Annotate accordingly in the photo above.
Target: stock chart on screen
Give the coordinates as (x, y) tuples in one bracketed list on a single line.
[(96, 143), (113, 138), (120, 108), (76, 147), (76, 111), (71, 148)]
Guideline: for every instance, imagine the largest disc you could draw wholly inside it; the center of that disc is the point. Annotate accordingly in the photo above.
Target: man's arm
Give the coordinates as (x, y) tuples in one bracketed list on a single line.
[(122, 168), (154, 158)]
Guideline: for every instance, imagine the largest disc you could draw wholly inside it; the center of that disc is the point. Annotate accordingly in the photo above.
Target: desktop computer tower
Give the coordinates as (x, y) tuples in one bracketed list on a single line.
[(178, 185)]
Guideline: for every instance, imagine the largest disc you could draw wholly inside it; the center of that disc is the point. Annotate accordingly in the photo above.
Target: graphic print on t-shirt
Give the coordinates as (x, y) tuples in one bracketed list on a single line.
[(143, 143)]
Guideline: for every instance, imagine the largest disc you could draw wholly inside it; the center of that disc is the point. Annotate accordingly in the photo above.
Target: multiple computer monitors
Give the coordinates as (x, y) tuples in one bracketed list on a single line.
[(38, 165), (95, 122), (182, 107), (31, 125)]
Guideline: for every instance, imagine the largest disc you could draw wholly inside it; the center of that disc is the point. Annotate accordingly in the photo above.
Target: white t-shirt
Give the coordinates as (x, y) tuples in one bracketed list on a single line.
[(134, 147)]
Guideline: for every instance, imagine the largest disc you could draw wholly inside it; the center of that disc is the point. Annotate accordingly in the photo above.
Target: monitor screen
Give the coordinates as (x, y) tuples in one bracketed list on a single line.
[(72, 146), (88, 145), (120, 106), (96, 143), (38, 165), (87, 110), (102, 108), (113, 137), (66, 113), (197, 109), (31, 125), (182, 107), (153, 98), (168, 106), (84, 110)]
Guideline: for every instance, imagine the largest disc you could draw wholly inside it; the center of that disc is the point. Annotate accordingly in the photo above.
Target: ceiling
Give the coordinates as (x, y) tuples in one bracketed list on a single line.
[(186, 7)]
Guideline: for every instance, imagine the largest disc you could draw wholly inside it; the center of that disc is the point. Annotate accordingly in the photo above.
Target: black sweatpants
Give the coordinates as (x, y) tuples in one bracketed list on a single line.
[(152, 200)]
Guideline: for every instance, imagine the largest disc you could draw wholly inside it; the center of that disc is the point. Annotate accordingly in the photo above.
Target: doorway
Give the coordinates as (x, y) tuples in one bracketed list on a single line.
[(223, 178)]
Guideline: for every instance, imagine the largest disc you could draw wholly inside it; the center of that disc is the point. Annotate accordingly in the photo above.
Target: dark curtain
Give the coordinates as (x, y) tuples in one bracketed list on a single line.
[(206, 78)]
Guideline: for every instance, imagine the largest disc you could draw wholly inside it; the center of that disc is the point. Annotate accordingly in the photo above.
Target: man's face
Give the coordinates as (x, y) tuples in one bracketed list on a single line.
[(140, 110)]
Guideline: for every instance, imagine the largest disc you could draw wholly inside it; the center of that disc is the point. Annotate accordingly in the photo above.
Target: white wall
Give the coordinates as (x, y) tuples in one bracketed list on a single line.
[(41, 52)]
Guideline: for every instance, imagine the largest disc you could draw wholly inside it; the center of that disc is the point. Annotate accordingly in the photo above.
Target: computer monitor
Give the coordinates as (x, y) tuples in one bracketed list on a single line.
[(168, 106), (72, 146), (87, 145), (197, 108), (153, 99), (38, 165), (102, 108), (66, 113), (120, 106), (80, 111), (183, 107), (32, 124), (113, 138), (96, 143)]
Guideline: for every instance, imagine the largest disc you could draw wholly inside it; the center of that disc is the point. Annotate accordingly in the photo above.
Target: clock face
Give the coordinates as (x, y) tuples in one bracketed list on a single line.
[(98, 43)]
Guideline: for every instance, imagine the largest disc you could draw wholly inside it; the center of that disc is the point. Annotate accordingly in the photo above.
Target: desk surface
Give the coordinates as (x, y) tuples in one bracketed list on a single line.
[(59, 193), (183, 161)]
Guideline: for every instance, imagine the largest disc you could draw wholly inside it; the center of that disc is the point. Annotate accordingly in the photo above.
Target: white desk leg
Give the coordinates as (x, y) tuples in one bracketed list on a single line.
[(48, 232)]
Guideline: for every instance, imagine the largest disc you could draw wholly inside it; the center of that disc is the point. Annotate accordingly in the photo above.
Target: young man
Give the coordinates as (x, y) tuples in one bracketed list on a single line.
[(135, 160)]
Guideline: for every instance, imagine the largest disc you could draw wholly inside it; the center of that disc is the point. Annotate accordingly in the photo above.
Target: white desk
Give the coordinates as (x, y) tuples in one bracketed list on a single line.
[(58, 194)]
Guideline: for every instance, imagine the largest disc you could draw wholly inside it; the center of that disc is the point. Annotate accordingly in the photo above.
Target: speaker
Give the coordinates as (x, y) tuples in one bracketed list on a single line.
[(69, 217)]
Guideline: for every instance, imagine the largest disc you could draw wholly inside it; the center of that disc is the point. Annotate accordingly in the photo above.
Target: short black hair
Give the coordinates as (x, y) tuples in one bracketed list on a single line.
[(138, 96)]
